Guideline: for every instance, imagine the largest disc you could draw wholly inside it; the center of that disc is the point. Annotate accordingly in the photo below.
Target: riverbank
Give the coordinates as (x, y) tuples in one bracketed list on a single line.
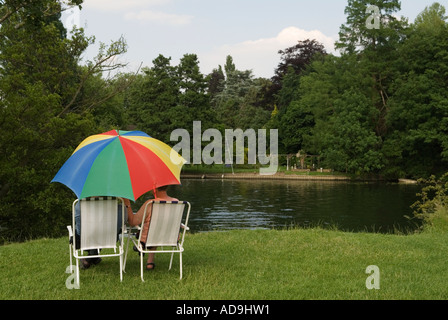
[(288, 176), (257, 176)]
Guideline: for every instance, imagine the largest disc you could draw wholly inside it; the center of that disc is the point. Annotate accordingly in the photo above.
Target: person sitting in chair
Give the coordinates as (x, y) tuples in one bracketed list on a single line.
[(136, 219), (87, 262)]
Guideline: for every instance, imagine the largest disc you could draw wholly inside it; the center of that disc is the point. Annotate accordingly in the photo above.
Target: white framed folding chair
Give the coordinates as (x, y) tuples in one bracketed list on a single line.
[(166, 230), (100, 227)]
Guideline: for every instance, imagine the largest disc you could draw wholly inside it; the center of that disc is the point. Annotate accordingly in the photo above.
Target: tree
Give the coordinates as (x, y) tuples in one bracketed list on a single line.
[(166, 97), (351, 145), (36, 12), (234, 94), (43, 115), (194, 100), (375, 48), (252, 113), (417, 144), (336, 93), (294, 61), (294, 119), (381, 106), (357, 36), (433, 17), (296, 124), (108, 100), (215, 80), (151, 98)]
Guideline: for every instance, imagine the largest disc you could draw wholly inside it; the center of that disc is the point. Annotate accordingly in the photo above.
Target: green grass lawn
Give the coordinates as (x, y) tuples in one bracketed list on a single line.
[(291, 264), (221, 169)]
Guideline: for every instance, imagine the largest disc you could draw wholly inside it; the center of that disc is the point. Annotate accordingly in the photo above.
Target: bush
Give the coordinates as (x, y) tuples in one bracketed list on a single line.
[(432, 207)]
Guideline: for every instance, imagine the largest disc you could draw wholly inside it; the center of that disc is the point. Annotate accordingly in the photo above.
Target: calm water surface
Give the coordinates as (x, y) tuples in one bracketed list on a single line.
[(249, 204)]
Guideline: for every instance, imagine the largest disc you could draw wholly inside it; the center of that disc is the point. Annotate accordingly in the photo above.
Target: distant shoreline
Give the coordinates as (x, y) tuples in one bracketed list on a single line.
[(281, 176), (256, 176)]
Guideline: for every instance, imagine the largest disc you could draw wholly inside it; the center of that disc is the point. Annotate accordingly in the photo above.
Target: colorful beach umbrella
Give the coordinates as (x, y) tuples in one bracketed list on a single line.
[(120, 163)]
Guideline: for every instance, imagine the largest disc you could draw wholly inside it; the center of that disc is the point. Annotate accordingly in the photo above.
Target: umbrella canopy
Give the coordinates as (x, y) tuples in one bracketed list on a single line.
[(120, 163)]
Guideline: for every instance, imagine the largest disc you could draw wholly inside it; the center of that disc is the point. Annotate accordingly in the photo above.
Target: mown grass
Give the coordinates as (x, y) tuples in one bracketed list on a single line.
[(246, 168), (293, 264)]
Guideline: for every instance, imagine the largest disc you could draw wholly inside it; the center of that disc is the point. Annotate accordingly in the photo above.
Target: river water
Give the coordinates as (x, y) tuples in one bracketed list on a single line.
[(251, 204)]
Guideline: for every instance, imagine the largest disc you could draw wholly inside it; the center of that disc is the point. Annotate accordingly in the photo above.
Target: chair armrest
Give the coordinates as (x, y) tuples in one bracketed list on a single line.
[(184, 227)]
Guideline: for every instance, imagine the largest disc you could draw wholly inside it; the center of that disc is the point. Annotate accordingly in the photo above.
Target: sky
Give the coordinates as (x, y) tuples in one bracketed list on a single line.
[(251, 31)]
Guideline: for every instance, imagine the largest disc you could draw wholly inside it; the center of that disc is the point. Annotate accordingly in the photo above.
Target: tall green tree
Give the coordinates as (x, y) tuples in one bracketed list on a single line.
[(194, 99), (236, 99), (351, 145), (294, 61), (376, 47), (215, 81), (343, 135), (43, 115), (152, 96), (349, 95), (294, 119), (417, 144), (370, 24), (166, 97)]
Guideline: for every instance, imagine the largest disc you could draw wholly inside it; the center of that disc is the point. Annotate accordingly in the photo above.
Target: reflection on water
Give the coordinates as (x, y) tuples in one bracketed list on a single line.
[(249, 204)]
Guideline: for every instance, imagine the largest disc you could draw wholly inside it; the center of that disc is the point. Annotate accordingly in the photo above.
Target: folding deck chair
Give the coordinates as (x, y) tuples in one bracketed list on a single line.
[(166, 230), (99, 228)]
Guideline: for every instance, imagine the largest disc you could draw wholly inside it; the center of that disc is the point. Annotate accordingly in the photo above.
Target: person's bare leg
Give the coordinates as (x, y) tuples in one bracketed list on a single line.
[(150, 263)]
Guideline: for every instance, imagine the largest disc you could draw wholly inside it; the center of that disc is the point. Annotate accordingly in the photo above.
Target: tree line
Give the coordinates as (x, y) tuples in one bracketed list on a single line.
[(380, 107)]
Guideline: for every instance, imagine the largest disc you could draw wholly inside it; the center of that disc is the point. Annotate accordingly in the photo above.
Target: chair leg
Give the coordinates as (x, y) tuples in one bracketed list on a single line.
[(71, 265), (171, 261), (121, 267), (180, 258), (77, 273), (141, 266), (126, 256)]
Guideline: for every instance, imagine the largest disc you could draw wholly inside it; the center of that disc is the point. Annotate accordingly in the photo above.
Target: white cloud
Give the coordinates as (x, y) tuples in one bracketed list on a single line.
[(261, 55), (147, 16), (139, 10)]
